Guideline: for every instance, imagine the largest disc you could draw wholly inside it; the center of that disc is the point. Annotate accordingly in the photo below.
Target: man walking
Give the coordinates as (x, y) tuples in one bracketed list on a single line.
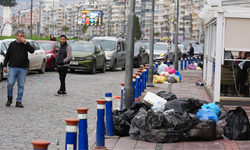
[(17, 57), (63, 60), (191, 51)]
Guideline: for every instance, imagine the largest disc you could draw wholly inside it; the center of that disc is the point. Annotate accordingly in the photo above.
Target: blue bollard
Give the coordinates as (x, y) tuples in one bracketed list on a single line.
[(122, 90), (100, 129), (147, 74), (156, 64), (181, 63), (168, 63), (188, 60), (40, 144), (137, 87), (83, 128), (196, 59), (141, 84), (191, 59), (134, 87), (109, 115), (71, 134), (185, 65), (199, 58), (144, 78)]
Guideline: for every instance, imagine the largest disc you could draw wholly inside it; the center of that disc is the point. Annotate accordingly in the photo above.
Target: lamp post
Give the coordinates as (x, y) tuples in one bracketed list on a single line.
[(31, 6), (151, 67), (176, 39)]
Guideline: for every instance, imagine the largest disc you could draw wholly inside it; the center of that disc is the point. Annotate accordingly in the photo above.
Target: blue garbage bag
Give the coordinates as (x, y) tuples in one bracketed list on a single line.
[(212, 106), (178, 74), (205, 114)]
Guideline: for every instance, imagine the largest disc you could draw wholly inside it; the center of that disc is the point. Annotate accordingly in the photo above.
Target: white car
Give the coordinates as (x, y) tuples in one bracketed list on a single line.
[(3, 47), (37, 60)]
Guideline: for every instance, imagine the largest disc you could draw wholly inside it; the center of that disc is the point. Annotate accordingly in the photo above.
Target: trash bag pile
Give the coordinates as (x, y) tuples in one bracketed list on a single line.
[(170, 75), (171, 119)]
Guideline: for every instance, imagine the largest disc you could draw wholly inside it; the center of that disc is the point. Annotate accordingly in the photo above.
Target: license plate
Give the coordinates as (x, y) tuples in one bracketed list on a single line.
[(74, 63)]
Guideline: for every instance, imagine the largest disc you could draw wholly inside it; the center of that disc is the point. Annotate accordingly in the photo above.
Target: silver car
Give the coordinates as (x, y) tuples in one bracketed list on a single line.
[(3, 48), (115, 51)]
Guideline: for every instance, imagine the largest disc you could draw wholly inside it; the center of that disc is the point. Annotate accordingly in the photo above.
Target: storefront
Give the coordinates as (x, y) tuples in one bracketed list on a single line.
[(227, 33)]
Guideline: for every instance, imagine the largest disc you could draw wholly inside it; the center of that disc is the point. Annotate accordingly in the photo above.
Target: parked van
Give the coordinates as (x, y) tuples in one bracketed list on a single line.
[(115, 51)]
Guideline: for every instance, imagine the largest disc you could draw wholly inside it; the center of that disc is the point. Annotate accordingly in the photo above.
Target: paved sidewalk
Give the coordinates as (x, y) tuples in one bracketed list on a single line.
[(186, 88)]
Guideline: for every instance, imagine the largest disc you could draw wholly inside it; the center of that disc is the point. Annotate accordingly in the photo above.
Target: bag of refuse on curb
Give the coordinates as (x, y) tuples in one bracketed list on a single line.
[(237, 127), (203, 131), (167, 95), (220, 126), (159, 106), (178, 74), (190, 105), (170, 70), (159, 79), (162, 68), (212, 106), (191, 66), (165, 74), (206, 114), (172, 78), (223, 115)]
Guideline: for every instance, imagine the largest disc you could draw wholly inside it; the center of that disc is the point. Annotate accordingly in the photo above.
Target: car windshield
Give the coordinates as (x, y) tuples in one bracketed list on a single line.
[(147, 44), (179, 47), (198, 48), (160, 47), (137, 48), (46, 46), (82, 47), (107, 45)]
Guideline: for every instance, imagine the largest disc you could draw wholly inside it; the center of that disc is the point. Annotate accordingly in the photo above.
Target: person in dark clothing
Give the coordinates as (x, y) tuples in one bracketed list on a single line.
[(241, 56), (191, 51), (52, 38), (17, 60), (63, 60)]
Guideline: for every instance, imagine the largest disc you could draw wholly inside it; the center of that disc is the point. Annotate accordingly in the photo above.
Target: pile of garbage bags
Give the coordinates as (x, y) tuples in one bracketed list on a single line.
[(180, 119), (195, 66), (165, 73)]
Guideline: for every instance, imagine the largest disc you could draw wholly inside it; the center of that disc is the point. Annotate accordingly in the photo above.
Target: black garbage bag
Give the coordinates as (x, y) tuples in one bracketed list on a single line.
[(190, 105), (122, 119), (167, 95), (223, 115), (237, 127), (203, 131), (160, 127)]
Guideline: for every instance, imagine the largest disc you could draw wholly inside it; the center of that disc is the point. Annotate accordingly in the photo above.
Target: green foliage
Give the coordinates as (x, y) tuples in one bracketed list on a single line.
[(157, 33), (84, 28), (65, 29), (137, 28)]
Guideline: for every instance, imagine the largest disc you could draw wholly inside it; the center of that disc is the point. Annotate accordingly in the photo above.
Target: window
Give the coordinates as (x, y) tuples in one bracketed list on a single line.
[(37, 46), (119, 47), (3, 48)]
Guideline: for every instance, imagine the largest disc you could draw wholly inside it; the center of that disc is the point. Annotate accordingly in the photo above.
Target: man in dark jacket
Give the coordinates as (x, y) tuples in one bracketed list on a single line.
[(63, 60), (191, 51), (17, 60)]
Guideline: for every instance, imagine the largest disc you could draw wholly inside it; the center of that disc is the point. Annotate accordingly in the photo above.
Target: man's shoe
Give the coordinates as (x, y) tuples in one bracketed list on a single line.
[(64, 93), (9, 101), (58, 93), (19, 104)]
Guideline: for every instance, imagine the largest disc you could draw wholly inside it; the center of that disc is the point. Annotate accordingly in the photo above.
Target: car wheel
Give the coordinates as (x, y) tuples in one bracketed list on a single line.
[(103, 69), (1, 72), (113, 68), (93, 70), (72, 70), (42, 70), (52, 66), (138, 63)]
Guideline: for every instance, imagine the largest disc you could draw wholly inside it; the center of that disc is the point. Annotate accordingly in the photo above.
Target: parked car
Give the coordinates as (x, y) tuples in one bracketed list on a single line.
[(51, 48), (198, 51), (186, 44), (37, 60), (70, 41), (87, 56), (141, 57), (115, 51), (171, 53), (3, 49), (146, 43)]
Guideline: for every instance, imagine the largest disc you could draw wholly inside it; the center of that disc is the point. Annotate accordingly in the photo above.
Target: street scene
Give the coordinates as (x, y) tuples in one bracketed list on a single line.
[(124, 75)]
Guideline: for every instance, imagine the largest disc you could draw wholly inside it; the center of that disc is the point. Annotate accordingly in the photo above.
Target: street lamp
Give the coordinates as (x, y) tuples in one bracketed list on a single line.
[(176, 39)]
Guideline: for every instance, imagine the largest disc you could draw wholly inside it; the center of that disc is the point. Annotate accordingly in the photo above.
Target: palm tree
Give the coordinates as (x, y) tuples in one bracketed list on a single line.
[(161, 29), (46, 29), (84, 30), (65, 29)]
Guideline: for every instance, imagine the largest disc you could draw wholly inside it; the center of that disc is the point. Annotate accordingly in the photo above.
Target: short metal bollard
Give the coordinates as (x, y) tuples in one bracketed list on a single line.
[(185, 65), (100, 128), (181, 63), (134, 87), (71, 133), (137, 87), (144, 78), (196, 59), (83, 128), (141, 83), (122, 91), (199, 58), (168, 62), (40, 144), (109, 115), (188, 60)]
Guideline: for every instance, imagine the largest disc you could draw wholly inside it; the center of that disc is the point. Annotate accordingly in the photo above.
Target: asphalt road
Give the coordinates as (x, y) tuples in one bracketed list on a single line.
[(43, 116)]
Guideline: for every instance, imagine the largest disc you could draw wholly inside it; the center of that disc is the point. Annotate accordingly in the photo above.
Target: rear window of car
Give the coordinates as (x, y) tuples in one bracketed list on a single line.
[(46, 46), (160, 47), (82, 47), (107, 45)]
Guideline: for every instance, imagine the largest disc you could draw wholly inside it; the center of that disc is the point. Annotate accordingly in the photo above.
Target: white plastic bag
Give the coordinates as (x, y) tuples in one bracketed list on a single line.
[(159, 106)]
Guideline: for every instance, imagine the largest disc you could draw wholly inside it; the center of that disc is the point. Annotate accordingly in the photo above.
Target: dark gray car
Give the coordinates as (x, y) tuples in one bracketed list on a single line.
[(140, 55)]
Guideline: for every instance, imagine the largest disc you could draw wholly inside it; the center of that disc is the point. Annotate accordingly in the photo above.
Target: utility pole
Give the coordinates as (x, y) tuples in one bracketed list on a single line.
[(124, 26), (39, 23), (176, 39), (128, 100), (151, 55), (31, 6), (53, 19)]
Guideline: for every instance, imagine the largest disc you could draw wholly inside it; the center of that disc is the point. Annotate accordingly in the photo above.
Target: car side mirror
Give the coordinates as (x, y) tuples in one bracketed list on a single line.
[(57, 49)]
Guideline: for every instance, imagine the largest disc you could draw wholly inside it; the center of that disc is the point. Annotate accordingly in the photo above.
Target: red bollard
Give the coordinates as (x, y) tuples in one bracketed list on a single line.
[(40, 144)]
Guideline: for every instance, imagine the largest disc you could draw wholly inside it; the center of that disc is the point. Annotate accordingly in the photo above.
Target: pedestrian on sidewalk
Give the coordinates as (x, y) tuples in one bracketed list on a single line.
[(63, 60), (191, 51), (17, 60), (52, 38)]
